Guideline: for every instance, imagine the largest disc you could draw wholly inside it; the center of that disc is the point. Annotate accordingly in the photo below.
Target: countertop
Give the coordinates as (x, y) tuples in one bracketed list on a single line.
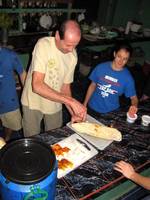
[(97, 174)]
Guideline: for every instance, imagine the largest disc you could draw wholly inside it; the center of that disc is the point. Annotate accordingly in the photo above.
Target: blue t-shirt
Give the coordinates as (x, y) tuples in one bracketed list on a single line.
[(9, 62), (110, 84)]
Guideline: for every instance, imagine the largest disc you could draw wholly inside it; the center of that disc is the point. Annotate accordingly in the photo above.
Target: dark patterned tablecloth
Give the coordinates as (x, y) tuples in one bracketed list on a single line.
[(97, 174)]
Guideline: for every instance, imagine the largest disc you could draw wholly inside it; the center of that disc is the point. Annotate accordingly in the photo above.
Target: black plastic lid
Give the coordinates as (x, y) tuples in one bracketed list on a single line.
[(26, 161)]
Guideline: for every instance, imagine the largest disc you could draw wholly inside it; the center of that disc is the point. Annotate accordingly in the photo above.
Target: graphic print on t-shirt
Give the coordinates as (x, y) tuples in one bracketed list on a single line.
[(105, 89)]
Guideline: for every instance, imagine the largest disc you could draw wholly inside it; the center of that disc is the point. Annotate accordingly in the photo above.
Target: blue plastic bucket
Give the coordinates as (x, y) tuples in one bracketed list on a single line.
[(28, 171)]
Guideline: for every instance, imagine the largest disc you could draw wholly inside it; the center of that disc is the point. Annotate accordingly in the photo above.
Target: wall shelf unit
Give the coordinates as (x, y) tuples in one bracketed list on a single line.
[(52, 8), (31, 10)]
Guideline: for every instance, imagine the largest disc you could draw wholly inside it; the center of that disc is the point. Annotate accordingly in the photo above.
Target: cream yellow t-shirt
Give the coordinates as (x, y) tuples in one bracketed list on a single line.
[(58, 69)]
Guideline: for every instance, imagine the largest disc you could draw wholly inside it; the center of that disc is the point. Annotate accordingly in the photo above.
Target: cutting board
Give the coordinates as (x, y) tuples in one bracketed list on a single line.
[(79, 152), (99, 143)]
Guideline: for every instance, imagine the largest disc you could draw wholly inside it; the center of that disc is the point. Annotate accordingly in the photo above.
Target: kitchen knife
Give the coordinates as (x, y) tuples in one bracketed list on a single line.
[(84, 144)]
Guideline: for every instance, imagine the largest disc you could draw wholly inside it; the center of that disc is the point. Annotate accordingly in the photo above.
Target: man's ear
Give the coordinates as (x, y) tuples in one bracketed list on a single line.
[(57, 36)]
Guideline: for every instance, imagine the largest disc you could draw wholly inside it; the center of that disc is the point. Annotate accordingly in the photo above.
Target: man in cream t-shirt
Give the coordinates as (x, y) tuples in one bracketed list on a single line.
[(48, 81)]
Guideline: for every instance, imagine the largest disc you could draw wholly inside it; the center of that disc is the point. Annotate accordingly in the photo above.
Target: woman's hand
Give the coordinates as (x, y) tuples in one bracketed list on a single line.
[(133, 108), (132, 111)]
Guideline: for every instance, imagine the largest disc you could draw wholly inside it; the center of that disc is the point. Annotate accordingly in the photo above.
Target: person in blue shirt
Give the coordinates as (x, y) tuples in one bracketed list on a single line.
[(109, 81), (10, 115)]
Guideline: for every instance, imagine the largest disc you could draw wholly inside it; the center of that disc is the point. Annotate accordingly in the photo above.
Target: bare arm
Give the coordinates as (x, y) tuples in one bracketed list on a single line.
[(41, 88), (89, 93), (134, 104), (134, 101), (23, 77), (128, 171), (141, 180), (75, 118), (67, 91)]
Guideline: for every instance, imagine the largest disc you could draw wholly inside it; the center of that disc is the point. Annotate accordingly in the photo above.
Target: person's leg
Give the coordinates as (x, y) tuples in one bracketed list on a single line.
[(11, 121), (53, 121), (31, 121)]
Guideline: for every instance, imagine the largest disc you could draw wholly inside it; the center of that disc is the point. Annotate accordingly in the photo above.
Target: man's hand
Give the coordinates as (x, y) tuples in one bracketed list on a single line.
[(76, 118), (125, 168), (79, 111)]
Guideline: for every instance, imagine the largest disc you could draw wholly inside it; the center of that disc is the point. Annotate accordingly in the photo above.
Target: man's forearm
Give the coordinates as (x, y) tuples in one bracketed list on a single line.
[(45, 91)]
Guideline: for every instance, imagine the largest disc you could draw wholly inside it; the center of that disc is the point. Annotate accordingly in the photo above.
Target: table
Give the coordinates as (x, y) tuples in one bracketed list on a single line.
[(96, 177)]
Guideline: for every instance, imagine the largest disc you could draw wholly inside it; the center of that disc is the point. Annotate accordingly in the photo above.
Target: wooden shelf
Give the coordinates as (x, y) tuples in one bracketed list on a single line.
[(36, 10), (19, 11)]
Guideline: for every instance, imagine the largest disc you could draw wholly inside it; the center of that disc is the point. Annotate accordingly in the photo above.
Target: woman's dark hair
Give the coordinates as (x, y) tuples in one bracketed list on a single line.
[(126, 46)]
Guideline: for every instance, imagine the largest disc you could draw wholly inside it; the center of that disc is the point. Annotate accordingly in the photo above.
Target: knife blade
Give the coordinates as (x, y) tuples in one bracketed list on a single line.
[(84, 144)]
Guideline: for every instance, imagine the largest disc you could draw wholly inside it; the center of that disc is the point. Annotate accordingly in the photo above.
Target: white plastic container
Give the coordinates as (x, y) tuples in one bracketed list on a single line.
[(145, 120), (131, 119)]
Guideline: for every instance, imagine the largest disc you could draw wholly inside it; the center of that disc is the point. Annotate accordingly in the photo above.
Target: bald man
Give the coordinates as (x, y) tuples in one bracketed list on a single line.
[(48, 81)]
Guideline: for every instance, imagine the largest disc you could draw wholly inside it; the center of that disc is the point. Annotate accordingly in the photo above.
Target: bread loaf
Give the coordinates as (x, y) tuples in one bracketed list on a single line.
[(97, 130)]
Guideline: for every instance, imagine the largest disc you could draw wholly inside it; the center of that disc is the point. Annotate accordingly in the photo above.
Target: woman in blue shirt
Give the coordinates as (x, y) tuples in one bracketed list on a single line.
[(109, 81)]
